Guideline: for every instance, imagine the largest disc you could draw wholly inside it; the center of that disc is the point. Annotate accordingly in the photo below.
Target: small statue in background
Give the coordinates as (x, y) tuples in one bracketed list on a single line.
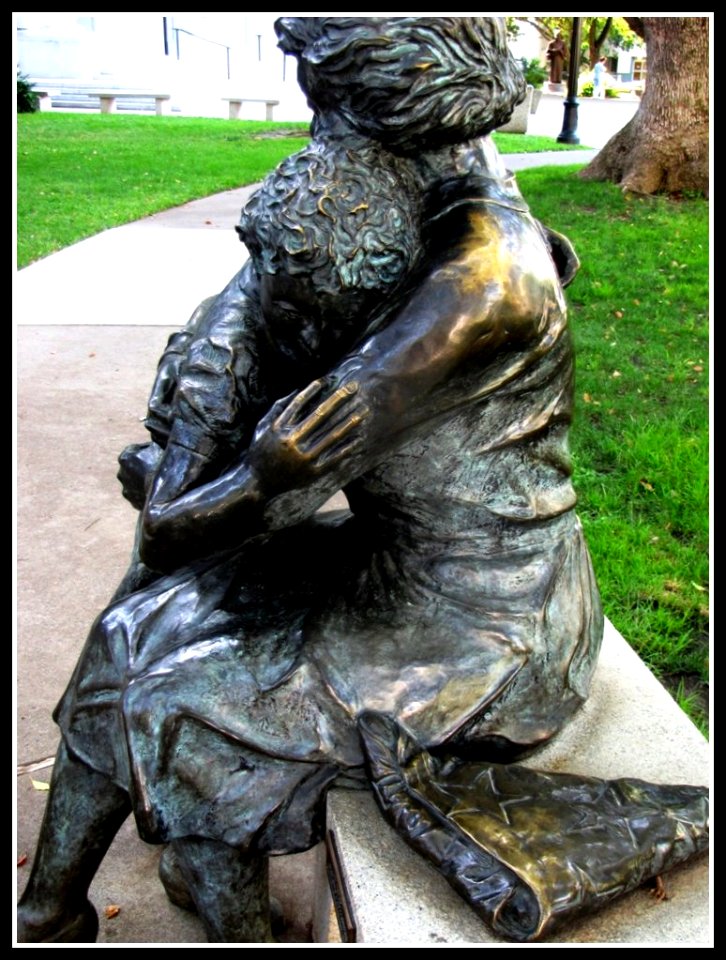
[(556, 53)]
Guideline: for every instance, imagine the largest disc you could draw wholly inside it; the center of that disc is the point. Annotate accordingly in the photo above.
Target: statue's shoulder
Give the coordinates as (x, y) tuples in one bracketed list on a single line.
[(460, 194), (477, 209)]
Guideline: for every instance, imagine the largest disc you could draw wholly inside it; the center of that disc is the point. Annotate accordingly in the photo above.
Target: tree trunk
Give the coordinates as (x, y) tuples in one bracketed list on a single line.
[(664, 148), (595, 40)]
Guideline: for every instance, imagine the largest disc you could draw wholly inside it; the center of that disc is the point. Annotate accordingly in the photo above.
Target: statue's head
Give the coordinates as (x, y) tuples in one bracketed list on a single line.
[(410, 82), (333, 232), (349, 216)]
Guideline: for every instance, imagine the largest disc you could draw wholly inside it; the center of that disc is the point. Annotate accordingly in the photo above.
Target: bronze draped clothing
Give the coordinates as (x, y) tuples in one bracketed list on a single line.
[(458, 598)]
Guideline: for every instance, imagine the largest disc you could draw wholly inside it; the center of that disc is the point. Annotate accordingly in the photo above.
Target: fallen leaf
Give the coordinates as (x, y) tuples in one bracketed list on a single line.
[(91, 354), (647, 485), (587, 398), (22, 860), (207, 221), (616, 373), (40, 784), (698, 369), (111, 911), (619, 314), (699, 587)]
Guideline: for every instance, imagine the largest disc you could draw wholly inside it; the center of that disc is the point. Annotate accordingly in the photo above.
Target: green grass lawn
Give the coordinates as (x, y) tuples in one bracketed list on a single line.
[(79, 174), (639, 309)]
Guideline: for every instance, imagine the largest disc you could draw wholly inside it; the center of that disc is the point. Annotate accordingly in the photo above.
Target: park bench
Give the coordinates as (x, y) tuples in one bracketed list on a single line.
[(235, 105), (109, 99), (79, 97), (45, 101)]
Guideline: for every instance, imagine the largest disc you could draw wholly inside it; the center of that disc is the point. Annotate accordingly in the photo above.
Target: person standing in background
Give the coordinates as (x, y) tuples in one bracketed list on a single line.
[(598, 82)]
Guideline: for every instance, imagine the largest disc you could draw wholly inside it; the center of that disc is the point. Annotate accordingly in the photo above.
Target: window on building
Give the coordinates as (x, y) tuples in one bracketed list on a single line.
[(640, 70)]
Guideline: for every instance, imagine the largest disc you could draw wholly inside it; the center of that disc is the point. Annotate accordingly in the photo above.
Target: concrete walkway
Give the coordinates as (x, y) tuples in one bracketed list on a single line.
[(92, 321), (155, 271)]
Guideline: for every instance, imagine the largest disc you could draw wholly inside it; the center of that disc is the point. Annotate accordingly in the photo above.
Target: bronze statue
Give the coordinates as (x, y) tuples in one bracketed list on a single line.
[(556, 53), (400, 332)]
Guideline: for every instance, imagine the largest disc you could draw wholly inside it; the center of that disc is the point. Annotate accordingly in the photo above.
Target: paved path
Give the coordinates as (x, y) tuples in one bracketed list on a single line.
[(155, 271)]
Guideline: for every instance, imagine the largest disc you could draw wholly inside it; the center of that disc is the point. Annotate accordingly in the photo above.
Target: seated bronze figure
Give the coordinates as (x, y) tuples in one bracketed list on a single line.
[(400, 333)]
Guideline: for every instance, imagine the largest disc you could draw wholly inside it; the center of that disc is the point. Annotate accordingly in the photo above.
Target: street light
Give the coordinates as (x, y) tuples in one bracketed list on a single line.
[(569, 125)]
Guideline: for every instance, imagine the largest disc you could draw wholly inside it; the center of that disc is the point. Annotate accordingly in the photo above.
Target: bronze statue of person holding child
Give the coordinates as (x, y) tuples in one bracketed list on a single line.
[(400, 333)]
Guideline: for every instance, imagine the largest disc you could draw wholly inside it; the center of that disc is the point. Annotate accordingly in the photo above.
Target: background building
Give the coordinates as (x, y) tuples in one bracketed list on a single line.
[(198, 58)]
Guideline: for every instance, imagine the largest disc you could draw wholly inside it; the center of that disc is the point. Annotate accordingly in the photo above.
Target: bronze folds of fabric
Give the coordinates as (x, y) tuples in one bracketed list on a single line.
[(530, 850)]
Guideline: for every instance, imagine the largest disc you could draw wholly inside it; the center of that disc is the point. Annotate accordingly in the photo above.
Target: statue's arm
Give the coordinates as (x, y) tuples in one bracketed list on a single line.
[(467, 308), (163, 390), (207, 396), (301, 438), (489, 301)]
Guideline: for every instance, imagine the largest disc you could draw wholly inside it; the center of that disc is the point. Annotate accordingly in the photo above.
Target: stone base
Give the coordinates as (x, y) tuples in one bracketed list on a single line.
[(559, 88), (517, 123), (630, 727)]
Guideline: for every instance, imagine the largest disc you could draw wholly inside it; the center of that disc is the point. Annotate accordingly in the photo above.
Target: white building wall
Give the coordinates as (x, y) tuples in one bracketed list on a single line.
[(127, 50), (529, 44)]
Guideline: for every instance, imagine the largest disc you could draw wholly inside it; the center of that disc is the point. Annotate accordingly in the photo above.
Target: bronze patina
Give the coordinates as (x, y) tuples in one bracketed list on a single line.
[(400, 333)]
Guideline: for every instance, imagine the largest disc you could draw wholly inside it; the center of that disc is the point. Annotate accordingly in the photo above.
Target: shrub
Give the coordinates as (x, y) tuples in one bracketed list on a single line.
[(27, 97), (534, 72)]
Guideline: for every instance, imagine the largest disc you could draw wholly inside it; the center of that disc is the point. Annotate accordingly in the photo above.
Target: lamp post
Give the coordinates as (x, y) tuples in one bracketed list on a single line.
[(569, 125)]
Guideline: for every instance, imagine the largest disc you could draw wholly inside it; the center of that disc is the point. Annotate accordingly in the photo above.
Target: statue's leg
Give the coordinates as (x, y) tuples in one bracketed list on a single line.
[(229, 889), (84, 812), (178, 893)]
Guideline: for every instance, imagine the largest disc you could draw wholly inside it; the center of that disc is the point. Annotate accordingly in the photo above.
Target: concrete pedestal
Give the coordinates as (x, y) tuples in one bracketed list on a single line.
[(630, 727)]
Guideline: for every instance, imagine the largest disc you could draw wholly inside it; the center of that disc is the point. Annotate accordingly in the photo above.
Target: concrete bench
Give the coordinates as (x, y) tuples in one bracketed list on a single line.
[(109, 99), (45, 101), (84, 98), (235, 105), (372, 888)]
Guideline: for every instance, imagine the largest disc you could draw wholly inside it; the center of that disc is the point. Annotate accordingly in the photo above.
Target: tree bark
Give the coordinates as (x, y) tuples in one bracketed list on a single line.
[(595, 40), (664, 148)]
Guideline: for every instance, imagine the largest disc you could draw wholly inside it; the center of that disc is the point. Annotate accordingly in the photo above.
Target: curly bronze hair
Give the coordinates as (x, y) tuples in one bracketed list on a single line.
[(409, 82), (347, 216)]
